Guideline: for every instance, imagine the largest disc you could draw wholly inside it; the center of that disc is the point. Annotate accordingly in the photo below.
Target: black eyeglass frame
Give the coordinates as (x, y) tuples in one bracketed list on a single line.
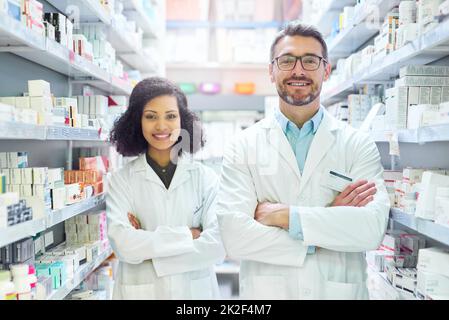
[(300, 59)]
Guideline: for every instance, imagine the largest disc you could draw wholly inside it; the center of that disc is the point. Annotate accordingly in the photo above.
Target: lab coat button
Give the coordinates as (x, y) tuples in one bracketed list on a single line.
[(306, 292)]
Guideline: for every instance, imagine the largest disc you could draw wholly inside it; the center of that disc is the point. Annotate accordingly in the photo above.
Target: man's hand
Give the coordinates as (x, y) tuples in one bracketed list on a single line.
[(272, 214), (358, 194), (134, 221), (196, 232)]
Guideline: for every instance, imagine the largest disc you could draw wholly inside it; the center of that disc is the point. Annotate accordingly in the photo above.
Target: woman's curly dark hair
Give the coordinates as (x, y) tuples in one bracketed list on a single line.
[(127, 133)]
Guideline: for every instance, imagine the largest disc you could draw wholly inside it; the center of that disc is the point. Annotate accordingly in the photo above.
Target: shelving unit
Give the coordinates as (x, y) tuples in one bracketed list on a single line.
[(329, 13), (425, 227), (17, 39), (134, 10), (89, 10), (82, 272), (419, 136), (30, 228), (24, 131), (427, 48), (360, 30)]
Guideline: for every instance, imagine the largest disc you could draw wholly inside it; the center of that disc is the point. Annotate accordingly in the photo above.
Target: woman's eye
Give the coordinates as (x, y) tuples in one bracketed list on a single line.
[(150, 117), (171, 116)]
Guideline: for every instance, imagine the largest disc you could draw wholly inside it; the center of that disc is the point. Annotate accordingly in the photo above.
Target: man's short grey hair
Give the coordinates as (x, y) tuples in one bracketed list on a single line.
[(296, 28)]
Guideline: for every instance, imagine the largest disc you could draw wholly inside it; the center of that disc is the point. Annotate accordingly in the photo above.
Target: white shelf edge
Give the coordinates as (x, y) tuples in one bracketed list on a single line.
[(25, 131), (425, 227), (60, 215), (417, 47), (22, 230), (31, 228), (82, 272), (436, 133)]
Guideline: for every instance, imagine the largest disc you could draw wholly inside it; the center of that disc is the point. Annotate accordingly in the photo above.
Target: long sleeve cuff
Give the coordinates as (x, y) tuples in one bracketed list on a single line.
[(295, 227)]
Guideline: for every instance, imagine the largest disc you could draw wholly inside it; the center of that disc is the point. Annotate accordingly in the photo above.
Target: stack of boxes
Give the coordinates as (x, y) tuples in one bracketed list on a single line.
[(85, 229), (385, 42), (420, 98), (41, 100), (359, 106), (20, 252), (433, 274), (24, 279), (59, 28), (32, 15)]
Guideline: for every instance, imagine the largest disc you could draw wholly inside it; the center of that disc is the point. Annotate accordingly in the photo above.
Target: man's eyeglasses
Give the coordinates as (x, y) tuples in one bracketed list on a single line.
[(309, 62)]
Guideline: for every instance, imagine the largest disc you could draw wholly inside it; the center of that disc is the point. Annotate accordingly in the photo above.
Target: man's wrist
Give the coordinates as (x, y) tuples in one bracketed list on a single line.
[(282, 216)]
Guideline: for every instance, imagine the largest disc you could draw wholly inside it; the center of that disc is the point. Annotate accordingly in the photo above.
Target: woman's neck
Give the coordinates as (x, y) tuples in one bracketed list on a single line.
[(161, 157)]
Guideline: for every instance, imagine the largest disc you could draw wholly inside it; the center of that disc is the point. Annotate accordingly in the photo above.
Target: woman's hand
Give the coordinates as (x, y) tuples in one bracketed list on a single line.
[(134, 221)]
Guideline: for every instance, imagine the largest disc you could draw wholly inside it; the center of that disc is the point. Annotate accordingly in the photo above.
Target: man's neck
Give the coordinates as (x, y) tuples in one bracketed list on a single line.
[(299, 115)]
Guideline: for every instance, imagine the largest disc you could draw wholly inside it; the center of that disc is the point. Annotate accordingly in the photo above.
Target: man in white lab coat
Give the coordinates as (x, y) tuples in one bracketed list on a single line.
[(302, 195)]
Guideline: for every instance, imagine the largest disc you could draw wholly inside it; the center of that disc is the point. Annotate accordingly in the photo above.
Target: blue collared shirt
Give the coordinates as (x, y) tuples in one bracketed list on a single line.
[(300, 140)]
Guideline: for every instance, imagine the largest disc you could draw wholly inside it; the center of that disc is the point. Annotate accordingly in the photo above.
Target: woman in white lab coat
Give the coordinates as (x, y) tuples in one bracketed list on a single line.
[(160, 206)]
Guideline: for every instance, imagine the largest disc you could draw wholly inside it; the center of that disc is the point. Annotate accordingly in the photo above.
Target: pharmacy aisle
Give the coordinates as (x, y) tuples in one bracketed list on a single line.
[(391, 78), (68, 68)]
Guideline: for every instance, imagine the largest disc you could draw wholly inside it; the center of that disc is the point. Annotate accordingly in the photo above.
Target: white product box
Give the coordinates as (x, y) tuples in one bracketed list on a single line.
[(422, 81), (424, 95), (40, 175), (396, 107), (434, 260), (432, 283), (71, 238), (39, 88), (10, 101), (57, 198), (81, 219), (4, 160), (23, 102), (444, 94), (412, 175), (422, 115), (27, 175), (411, 244), (26, 190), (7, 175), (435, 95), (413, 96), (392, 243), (70, 228), (41, 104), (16, 176), (425, 206), (423, 70)]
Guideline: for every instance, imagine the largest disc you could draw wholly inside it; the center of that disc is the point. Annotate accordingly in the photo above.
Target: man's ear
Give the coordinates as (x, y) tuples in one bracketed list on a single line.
[(327, 71), (270, 69)]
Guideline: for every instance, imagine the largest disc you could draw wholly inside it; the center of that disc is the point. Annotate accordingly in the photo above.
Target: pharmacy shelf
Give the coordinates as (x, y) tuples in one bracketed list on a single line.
[(87, 10), (224, 102), (30, 228), (18, 39), (422, 135), (218, 66), (135, 11), (57, 216), (429, 47), (81, 274), (21, 131), (361, 29), (22, 230), (24, 131), (13, 34), (327, 16), (69, 133), (140, 61), (425, 227), (395, 293)]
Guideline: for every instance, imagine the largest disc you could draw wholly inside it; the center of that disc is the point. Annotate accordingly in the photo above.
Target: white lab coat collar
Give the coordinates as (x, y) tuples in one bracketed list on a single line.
[(324, 138), (182, 174)]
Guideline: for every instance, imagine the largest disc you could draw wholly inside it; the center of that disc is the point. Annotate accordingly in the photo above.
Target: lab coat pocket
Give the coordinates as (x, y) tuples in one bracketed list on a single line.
[(201, 289), (344, 291), (268, 287), (138, 292)]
